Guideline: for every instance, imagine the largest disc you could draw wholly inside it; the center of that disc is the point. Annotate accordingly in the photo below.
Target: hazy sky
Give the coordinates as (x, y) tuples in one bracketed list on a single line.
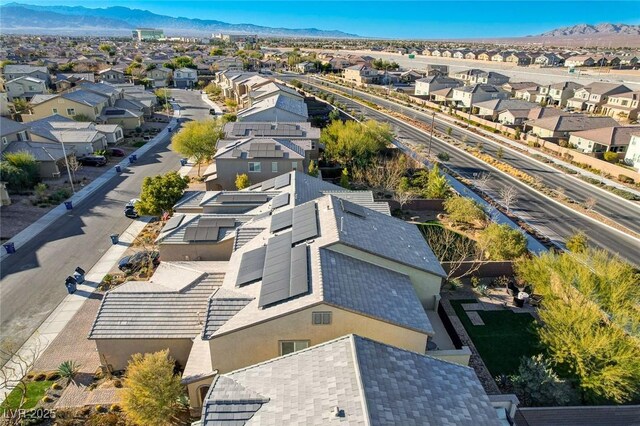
[(401, 19)]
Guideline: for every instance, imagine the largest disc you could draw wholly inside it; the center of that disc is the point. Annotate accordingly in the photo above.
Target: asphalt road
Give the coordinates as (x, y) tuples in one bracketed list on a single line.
[(552, 219), (32, 280)]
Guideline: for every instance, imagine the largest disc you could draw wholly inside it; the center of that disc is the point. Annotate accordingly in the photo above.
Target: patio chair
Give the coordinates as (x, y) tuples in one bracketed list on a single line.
[(512, 290), (535, 300), (518, 303)]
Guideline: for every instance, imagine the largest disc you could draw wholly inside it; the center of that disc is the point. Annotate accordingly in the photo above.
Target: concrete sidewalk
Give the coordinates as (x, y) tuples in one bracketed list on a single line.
[(212, 104), (54, 214), (60, 317)]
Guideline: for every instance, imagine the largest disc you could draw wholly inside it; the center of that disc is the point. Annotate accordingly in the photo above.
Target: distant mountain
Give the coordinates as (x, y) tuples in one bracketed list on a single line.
[(594, 30), (25, 18)]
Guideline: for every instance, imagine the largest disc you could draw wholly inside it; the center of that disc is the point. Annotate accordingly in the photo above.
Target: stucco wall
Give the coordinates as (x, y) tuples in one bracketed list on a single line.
[(227, 169), (176, 252), (45, 109), (118, 352), (261, 342)]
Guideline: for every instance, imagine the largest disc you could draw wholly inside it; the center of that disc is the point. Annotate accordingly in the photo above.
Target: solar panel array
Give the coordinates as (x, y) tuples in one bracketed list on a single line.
[(305, 222), (280, 201), (251, 266), (352, 208), (285, 271), (265, 150), (268, 184), (282, 181), (247, 197), (207, 229), (114, 112), (267, 129), (281, 220), (173, 223)]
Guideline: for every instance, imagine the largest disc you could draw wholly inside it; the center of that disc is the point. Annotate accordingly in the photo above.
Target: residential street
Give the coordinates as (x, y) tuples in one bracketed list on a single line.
[(32, 280), (556, 221)]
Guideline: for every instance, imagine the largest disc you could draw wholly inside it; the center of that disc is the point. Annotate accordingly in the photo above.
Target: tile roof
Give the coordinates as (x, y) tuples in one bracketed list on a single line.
[(240, 129), (573, 122), (282, 102), (350, 380), (9, 127), (85, 97), (364, 288), (617, 135), (223, 305)]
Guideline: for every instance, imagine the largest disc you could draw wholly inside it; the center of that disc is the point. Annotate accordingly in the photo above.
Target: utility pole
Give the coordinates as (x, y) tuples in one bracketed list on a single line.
[(66, 161), (433, 119)]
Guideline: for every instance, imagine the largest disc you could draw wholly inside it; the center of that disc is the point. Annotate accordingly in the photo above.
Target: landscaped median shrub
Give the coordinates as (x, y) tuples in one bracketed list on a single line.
[(625, 179), (611, 157)]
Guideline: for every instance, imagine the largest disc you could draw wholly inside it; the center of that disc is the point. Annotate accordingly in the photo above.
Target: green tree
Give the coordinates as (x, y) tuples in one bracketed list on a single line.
[(213, 89), (197, 140), (611, 157), (449, 131), (183, 62), (354, 144), (344, 179), (464, 210), (152, 391), (81, 118), (578, 242), (19, 170), (500, 153), (437, 185), (334, 114), (160, 193), (501, 242), (589, 320), (242, 181), (537, 384), (229, 118), (216, 51), (231, 104), (313, 169), (20, 105), (68, 67)]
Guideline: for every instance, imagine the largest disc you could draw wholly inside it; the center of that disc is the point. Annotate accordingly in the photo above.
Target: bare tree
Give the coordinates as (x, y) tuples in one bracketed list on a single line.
[(74, 166), (508, 195), (482, 180), (16, 363), (403, 197), (560, 192), (461, 255), (590, 203)]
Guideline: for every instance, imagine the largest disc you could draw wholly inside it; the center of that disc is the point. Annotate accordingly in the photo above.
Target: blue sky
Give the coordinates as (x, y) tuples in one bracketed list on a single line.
[(392, 19)]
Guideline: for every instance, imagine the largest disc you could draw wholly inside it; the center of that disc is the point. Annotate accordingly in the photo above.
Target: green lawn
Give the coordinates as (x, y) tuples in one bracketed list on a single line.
[(35, 392), (503, 340)]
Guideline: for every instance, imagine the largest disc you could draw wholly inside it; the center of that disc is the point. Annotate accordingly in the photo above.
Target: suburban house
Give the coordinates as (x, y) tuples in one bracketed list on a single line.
[(185, 78), (512, 87), (261, 158), (579, 61), (468, 95), (82, 137), (12, 131), (467, 75), (6, 107), (361, 74), (624, 106), (519, 59), (69, 104), (343, 377), (270, 88), (613, 139), (559, 93), (274, 109), (305, 67), (517, 117), (548, 60), (65, 81), (562, 126), (25, 88), (492, 108), (160, 76), (632, 157), (113, 76), (13, 71), (427, 85), (592, 97)]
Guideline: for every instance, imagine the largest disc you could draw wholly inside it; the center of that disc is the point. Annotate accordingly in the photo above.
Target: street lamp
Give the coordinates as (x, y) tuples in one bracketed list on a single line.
[(66, 161), (433, 119)]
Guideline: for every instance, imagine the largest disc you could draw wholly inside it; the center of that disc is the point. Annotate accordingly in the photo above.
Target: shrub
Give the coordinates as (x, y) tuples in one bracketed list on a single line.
[(533, 144), (536, 384), (47, 399), (100, 409), (464, 210), (19, 170), (117, 383), (626, 179), (501, 242), (611, 157), (242, 181), (578, 243), (38, 377), (115, 407), (56, 386), (68, 369), (563, 143), (443, 156), (52, 375)]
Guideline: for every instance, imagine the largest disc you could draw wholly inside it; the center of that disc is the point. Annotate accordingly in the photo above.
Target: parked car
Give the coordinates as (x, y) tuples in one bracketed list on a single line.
[(130, 212), (137, 261), (117, 152), (93, 160)]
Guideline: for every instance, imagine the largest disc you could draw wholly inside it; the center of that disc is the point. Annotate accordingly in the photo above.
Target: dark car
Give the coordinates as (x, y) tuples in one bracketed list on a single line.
[(136, 261), (117, 152), (93, 160), (130, 211)]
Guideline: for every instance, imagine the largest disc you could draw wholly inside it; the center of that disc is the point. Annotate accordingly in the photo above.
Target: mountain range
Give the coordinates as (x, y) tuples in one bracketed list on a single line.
[(596, 30), (78, 20)]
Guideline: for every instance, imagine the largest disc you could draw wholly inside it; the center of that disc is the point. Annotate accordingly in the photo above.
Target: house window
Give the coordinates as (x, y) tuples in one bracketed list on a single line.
[(321, 318), (274, 167), (22, 136), (290, 346), (4, 141), (54, 110), (118, 134), (294, 165), (255, 167), (71, 111)]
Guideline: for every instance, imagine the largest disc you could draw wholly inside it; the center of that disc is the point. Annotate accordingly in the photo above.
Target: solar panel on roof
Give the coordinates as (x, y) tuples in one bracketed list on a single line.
[(114, 112), (280, 201), (190, 233), (173, 223), (277, 271), (305, 223), (282, 181), (281, 220), (216, 221), (251, 266), (268, 184), (299, 276), (352, 208), (246, 197)]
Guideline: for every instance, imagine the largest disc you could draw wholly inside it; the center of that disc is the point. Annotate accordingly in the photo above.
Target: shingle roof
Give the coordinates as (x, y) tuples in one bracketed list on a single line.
[(85, 97), (369, 383), (9, 127), (364, 287)]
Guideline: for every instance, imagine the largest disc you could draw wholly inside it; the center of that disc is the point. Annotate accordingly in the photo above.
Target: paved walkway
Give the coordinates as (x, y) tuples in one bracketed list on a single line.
[(54, 325), (212, 104)]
